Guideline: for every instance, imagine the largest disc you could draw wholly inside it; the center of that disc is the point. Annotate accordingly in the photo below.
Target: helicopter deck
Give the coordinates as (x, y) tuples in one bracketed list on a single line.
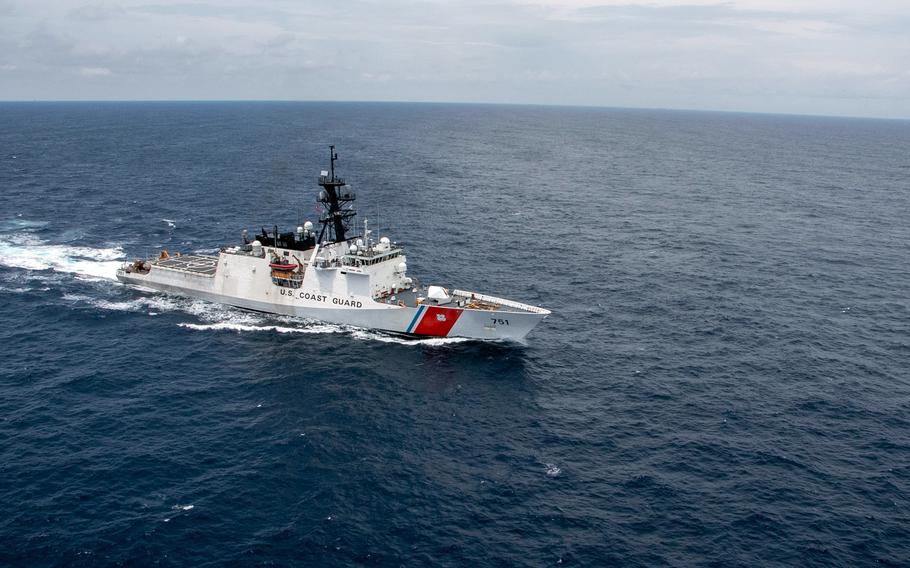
[(195, 264)]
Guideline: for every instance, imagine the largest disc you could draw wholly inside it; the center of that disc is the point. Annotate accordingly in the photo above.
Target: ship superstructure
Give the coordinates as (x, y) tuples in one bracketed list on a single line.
[(333, 277)]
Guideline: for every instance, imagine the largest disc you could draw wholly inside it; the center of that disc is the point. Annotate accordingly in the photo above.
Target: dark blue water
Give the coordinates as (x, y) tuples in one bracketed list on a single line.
[(725, 380)]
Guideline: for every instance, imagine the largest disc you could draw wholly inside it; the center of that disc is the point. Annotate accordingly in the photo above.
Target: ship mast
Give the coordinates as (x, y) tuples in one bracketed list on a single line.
[(333, 197)]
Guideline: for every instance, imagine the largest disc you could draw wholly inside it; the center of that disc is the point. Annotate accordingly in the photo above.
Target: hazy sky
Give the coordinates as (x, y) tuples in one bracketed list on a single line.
[(847, 57)]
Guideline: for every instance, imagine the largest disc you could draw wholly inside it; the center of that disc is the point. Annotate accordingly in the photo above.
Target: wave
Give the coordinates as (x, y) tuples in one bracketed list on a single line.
[(234, 326), (22, 289), (386, 338), (27, 252), (307, 326), (149, 303), (19, 224)]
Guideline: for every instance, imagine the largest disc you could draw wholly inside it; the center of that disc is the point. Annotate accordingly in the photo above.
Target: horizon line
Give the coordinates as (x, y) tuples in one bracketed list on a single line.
[(466, 103)]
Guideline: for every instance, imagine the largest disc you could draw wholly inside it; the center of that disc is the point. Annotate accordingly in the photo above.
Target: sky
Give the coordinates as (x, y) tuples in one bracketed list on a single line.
[(831, 57)]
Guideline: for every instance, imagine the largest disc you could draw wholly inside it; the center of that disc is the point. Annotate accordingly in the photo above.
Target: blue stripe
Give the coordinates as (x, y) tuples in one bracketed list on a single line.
[(416, 317)]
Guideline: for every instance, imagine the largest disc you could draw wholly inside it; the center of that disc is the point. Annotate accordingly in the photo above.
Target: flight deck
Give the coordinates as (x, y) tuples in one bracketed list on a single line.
[(196, 264)]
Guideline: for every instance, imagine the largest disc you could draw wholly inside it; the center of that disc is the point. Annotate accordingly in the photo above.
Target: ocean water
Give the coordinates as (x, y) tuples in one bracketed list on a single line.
[(725, 379)]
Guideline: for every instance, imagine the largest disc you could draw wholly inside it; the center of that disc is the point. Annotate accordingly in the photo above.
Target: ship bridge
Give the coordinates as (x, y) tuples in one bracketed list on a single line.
[(370, 257)]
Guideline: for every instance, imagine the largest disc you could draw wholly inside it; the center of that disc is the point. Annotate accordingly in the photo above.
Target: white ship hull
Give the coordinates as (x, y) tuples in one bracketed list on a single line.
[(334, 294)]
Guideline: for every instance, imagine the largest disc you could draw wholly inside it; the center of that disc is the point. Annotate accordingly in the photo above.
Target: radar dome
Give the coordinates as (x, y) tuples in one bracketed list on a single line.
[(439, 294), (402, 267), (353, 249), (299, 229), (308, 226), (383, 244)]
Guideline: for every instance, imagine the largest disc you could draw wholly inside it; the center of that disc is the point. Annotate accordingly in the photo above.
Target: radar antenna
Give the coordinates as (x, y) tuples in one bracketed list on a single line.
[(333, 197)]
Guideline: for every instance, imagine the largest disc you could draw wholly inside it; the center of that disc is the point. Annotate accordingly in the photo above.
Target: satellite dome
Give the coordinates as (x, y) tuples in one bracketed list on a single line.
[(439, 294)]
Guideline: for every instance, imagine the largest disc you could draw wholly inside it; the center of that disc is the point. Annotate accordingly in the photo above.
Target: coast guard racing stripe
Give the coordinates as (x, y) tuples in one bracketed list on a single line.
[(416, 318), (434, 321)]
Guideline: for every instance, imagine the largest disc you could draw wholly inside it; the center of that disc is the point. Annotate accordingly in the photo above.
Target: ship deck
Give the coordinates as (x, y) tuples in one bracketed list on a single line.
[(470, 300), (195, 264)]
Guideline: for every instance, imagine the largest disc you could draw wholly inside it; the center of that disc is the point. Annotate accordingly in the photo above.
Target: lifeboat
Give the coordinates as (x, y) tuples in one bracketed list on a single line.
[(282, 266)]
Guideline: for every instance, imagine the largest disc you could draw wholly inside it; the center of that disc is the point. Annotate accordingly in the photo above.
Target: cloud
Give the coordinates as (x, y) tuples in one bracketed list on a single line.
[(758, 55), (94, 71), (96, 12)]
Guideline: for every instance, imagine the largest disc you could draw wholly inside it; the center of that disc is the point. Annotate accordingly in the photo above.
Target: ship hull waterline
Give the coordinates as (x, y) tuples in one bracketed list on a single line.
[(418, 322)]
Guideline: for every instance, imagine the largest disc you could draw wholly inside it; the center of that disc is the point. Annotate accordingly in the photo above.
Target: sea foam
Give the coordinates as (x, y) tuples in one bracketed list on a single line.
[(28, 252)]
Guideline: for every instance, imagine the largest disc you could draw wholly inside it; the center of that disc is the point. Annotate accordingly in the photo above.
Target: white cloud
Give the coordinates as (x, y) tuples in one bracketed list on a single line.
[(758, 55), (94, 71)]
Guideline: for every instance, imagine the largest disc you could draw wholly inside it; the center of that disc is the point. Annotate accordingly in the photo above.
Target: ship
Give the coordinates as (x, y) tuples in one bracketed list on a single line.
[(330, 274)]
